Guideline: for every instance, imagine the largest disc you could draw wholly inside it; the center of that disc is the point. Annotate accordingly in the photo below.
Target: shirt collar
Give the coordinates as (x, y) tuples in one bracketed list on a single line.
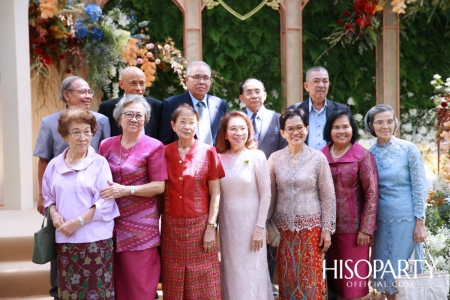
[(311, 107), (352, 155), (195, 101), (87, 161), (259, 113)]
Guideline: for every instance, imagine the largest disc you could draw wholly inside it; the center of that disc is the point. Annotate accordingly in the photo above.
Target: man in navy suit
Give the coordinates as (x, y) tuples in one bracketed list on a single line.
[(318, 108), (211, 108), (132, 81), (267, 131)]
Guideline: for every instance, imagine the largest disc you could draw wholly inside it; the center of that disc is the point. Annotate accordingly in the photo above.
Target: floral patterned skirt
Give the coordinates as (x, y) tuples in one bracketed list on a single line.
[(85, 270), (299, 265), (187, 271)]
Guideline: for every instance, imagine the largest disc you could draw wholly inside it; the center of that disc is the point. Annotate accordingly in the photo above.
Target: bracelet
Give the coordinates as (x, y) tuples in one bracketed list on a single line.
[(260, 226), (211, 224)]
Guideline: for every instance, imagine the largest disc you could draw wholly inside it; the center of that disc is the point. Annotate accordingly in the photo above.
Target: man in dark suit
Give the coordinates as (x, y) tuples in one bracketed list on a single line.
[(267, 131), (210, 108), (133, 82), (318, 108)]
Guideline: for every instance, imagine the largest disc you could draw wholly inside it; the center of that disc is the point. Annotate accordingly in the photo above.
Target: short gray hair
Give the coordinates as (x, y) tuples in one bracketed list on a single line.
[(128, 99), (314, 69), (370, 115), (66, 84), (196, 63)]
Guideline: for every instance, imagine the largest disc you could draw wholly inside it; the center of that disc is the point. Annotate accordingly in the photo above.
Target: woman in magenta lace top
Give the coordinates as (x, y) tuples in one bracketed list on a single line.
[(356, 184)]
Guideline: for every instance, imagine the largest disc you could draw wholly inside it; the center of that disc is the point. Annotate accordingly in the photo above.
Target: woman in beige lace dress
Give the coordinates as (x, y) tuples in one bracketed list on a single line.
[(245, 193), (303, 207)]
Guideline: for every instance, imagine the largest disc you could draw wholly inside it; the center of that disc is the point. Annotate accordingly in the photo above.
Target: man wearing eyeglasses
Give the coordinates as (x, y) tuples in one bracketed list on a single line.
[(132, 81), (318, 108), (74, 92), (210, 108), (267, 131)]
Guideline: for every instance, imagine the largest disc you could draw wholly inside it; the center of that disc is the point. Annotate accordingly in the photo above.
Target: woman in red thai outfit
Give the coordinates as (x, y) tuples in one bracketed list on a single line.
[(190, 262), (355, 180)]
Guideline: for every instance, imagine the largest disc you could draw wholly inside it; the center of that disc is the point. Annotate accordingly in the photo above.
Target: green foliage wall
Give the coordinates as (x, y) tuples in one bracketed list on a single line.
[(243, 49)]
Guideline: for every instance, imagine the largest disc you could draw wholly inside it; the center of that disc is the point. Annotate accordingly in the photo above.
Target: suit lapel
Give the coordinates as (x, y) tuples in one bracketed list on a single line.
[(212, 108), (266, 121), (331, 108)]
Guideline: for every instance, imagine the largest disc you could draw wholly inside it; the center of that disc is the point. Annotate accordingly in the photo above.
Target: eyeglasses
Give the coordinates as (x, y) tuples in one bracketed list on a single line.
[(383, 123), (77, 135), (251, 92), (198, 78), (237, 128), (130, 116), (188, 124), (83, 92), (291, 130)]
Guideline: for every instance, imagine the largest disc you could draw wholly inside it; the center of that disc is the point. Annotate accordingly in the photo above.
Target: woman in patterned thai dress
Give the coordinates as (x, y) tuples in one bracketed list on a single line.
[(139, 171), (245, 192), (402, 194), (303, 206), (84, 219), (356, 184), (190, 261)]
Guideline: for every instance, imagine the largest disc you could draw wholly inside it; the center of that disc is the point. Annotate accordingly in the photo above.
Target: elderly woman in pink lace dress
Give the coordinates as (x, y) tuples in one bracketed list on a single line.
[(303, 206)]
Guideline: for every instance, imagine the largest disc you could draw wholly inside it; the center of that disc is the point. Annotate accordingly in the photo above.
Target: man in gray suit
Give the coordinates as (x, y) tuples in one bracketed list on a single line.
[(318, 108), (267, 132)]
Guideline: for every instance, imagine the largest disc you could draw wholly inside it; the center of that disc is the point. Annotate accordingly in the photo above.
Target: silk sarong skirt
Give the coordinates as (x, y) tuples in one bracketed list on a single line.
[(188, 273), (85, 270)]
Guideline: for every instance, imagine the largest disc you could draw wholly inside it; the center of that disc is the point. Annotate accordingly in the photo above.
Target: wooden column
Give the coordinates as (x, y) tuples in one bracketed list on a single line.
[(388, 61), (291, 36), (15, 97)]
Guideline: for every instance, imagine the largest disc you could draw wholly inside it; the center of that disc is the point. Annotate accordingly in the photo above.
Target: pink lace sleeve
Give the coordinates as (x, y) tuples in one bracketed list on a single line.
[(327, 196), (368, 176), (263, 182), (273, 188)]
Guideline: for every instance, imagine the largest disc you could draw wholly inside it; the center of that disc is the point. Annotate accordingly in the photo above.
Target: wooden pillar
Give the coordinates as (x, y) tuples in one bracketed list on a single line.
[(192, 37), (291, 36), (15, 105), (388, 61)]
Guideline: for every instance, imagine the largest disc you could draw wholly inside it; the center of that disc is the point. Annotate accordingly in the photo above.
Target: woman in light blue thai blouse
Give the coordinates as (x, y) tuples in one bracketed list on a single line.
[(401, 204)]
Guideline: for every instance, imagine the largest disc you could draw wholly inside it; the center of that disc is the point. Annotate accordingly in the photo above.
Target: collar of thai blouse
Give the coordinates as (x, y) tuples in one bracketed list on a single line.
[(87, 161), (352, 155), (391, 141)]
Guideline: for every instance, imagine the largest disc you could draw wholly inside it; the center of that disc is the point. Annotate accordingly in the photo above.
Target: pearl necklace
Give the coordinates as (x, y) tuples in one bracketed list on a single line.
[(295, 157), (78, 162), (336, 157)]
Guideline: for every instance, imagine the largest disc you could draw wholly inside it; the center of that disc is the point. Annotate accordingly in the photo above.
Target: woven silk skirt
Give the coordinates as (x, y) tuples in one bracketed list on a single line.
[(346, 253), (188, 273), (299, 265), (85, 270)]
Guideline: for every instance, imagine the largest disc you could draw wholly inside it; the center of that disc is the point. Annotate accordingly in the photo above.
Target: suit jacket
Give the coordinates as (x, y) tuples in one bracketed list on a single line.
[(151, 128), (332, 107), (217, 109), (270, 139)]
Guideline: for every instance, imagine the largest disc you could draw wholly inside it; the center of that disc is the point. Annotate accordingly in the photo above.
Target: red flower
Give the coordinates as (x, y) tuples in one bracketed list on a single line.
[(340, 22), (345, 13), (36, 41), (68, 71), (52, 47), (368, 8), (38, 50), (347, 26), (46, 59), (358, 6), (444, 104), (363, 22), (62, 56)]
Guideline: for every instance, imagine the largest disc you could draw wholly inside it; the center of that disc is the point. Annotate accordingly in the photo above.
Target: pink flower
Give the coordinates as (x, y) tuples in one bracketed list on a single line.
[(157, 61), (139, 61), (166, 47), (150, 46), (149, 54)]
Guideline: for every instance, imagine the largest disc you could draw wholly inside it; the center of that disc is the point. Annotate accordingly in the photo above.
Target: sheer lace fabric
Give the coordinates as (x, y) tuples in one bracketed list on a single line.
[(302, 194), (245, 199)]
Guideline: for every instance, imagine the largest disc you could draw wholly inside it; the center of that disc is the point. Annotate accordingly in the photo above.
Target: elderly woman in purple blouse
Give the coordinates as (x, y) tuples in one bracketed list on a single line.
[(84, 220), (356, 185)]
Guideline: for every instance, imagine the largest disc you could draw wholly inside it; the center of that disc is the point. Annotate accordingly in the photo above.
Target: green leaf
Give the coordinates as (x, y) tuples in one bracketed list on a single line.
[(99, 283), (102, 293), (70, 270), (81, 295), (85, 285), (74, 257)]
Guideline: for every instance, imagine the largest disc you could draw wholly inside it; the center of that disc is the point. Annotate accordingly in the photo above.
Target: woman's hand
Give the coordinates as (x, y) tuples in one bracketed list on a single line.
[(363, 239), (57, 219), (114, 191), (257, 239), (325, 240), (420, 233), (209, 239), (69, 227)]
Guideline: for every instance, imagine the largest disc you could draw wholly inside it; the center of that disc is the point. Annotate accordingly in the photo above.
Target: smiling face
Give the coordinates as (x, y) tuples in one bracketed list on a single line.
[(78, 94), (253, 95), (79, 144), (317, 85), (383, 125), (237, 133), (341, 132), (136, 123), (295, 131), (185, 125), (199, 87)]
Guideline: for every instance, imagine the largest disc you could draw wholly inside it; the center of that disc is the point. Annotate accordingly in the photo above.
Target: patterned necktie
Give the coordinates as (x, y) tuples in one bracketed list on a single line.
[(254, 126), (204, 131)]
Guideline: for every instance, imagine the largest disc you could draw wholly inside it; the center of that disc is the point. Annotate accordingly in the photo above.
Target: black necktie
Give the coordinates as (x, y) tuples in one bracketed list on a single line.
[(254, 126)]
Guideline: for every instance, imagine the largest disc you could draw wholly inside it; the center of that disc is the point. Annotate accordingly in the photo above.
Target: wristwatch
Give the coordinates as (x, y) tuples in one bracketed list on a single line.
[(81, 220), (132, 190)]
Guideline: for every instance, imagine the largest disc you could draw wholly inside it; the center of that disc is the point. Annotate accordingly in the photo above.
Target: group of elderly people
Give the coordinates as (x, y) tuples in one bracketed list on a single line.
[(339, 200)]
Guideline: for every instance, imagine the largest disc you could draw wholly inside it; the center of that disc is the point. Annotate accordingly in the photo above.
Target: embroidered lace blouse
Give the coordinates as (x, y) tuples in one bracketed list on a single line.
[(302, 194), (356, 184), (401, 181)]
